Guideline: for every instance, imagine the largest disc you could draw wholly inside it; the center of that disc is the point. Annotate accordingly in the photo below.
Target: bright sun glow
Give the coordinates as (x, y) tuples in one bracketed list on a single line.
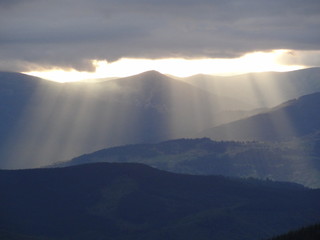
[(251, 62)]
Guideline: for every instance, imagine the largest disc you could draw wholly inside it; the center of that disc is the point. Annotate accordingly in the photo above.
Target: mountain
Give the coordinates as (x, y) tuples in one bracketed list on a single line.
[(306, 233), (5, 235), (43, 122), (16, 91), (294, 161), (262, 90), (133, 201), (173, 99), (295, 118)]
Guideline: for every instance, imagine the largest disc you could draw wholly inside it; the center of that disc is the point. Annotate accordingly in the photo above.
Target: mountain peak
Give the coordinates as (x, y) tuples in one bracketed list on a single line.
[(151, 74), (148, 75)]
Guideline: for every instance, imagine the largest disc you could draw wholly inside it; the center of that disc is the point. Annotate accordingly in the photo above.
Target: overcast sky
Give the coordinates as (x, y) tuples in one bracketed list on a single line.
[(37, 34)]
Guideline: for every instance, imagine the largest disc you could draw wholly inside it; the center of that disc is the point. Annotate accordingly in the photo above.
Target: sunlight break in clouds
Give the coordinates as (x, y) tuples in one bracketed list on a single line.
[(251, 62)]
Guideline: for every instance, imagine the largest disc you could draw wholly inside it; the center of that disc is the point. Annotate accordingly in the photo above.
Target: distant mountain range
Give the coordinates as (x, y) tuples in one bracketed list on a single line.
[(291, 154), (292, 161), (44, 122), (133, 201), (263, 90)]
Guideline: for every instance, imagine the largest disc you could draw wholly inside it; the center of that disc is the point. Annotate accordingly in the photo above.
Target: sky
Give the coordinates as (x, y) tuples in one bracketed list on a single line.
[(109, 38)]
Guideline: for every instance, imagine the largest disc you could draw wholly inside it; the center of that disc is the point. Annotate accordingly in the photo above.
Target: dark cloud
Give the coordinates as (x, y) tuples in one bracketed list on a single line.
[(309, 58), (9, 3), (70, 33)]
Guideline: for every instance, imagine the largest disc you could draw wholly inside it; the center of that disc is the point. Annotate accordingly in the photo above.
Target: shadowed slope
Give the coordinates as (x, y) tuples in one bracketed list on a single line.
[(16, 93), (132, 201), (295, 118), (306, 233)]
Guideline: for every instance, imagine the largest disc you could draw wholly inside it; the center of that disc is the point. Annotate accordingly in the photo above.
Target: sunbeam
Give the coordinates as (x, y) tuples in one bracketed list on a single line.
[(62, 121)]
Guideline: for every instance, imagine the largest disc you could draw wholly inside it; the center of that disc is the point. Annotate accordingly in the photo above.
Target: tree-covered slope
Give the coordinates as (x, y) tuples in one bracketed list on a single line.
[(306, 233), (295, 161), (133, 201)]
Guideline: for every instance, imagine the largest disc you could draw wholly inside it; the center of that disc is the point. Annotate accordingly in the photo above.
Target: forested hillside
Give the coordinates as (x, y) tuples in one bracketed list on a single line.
[(295, 161), (306, 233), (133, 201)]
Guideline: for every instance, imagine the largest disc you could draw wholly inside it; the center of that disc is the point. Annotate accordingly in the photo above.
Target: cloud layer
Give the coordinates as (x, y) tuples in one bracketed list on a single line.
[(37, 34)]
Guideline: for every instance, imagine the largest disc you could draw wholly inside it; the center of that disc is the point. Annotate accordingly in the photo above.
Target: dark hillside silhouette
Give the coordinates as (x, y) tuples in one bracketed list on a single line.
[(133, 201)]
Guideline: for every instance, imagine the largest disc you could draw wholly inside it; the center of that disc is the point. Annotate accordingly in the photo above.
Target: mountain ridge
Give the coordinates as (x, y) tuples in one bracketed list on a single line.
[(70, 119), (292, 161), (134, 201), (266, 89), (293, 118)]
